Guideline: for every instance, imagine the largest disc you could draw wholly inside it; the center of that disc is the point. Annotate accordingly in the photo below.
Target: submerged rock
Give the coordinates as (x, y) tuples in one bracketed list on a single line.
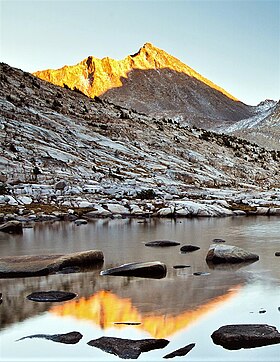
[(238, 336), (218, 241), (51, 296), (67, 338), (12, 227), (127, 348), (162, 243), (189, 248), (228, 254), (277, 253), (34, 265), (181, 266), (153, 269), (181, 351)]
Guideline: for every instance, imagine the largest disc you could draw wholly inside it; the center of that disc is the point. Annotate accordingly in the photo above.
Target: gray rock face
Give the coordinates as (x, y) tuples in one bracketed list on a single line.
[(228, 254), (12, 227), (162, 243), (34, 265), (181, 351), (238, 336), (67, 338), (154, 269), (127, 348), (51, 296)]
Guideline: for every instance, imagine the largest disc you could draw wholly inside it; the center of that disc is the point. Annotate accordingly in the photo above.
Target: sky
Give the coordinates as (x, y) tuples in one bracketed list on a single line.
[(233, 43)]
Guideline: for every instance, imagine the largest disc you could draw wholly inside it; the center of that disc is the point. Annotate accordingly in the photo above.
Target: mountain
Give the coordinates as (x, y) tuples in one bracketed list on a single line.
[(262, 128), (49, 133), (154, 83)]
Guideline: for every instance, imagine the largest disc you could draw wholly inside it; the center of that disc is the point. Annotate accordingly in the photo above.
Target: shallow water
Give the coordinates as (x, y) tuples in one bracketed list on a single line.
[(182, 307)]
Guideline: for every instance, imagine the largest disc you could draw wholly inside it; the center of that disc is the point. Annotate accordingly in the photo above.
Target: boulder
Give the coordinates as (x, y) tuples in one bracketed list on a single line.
[(218, 253), (127, 348), (274, 211), (67, 338), (154, 269), (60, 185), (181, 266), (162, 243), (277, 253), (189, 248), (34, 265), (51, 296), (238, 336), (181, 351), (12, 227), (80, 222)]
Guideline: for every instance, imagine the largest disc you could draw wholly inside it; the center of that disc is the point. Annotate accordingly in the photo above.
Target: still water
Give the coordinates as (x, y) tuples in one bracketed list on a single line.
[(181, 307)]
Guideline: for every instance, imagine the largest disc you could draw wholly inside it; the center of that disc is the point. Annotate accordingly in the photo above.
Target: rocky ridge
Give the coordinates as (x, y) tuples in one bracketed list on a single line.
[(153, 82), (63, 149)]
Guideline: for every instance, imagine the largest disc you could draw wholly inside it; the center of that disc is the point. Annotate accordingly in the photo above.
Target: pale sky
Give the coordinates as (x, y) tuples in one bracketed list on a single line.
[(235, 44)]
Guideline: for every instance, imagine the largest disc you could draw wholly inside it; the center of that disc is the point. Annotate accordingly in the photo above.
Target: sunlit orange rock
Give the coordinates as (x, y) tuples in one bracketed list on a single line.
[(95, 76)]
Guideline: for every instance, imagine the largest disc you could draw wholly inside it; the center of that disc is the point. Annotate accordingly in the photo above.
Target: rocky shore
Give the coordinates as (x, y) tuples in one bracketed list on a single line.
[(29, 203)]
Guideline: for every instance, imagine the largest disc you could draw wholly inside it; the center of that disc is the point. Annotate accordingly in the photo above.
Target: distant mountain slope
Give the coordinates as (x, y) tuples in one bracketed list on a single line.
[(52, 133), (263, 128), (155, 83)]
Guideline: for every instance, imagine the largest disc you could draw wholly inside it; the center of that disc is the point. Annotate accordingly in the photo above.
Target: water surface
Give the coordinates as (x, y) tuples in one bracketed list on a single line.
[(182, 307)]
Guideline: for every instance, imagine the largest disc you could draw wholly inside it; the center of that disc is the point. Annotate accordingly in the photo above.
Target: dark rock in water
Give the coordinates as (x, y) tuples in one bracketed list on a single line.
[(127, 348), (51, 296), (229, 266), (228, 254), (12, 227), (189, 248), (218, 241), (262, 311), (277, 253), (129, 323), (67, 338), (181, 266), (201, 273), (71, 269), (238, 336), (181, 351), (153, 269), (34, 265), (1, 298), (162, 243), (80, 222)]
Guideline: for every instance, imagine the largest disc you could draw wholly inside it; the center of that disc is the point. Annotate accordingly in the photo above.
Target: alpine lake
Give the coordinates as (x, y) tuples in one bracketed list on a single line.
[(182, 307)]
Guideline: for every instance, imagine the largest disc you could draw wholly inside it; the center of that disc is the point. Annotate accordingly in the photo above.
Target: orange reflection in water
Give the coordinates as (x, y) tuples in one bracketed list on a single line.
[(105, 308)]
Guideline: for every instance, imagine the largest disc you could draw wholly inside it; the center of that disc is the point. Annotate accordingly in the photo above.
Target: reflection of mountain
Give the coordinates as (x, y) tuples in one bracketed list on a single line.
[(105, 308)]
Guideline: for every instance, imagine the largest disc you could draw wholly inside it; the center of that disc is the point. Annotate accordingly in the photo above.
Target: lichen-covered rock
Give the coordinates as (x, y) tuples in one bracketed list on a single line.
[(218, 253), (238, 336), (127, 348)]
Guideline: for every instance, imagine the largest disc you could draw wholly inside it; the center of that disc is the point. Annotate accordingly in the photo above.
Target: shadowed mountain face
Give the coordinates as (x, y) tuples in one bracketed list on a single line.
[(155, 83)]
